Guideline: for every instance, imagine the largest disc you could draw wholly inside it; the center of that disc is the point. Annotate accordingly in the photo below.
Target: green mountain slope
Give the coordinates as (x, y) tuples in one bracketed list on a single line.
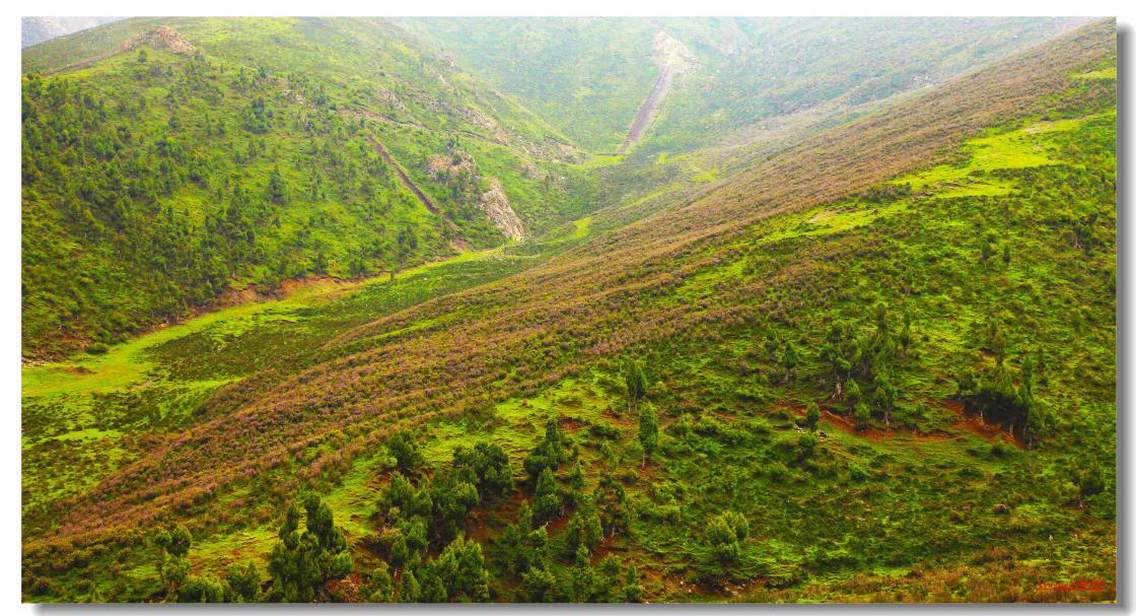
[(589, 76), (936, 276), (168, 162)]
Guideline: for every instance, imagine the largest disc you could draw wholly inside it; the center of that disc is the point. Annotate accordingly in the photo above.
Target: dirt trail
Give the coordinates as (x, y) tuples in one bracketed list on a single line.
[(648, 109), (456, 239), (673, 58), (405, 179)]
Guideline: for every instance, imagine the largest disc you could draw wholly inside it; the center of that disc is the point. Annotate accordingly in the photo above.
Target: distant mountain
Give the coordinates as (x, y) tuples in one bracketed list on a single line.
[(588, 76), (35, 30)]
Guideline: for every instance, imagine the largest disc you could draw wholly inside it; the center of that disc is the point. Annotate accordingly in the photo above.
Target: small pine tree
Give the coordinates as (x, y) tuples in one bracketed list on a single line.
[(404, 449), (789, 359), (648, 432), (243, 583), (635, 383), (546, 500), (812, 416), (277, 191)]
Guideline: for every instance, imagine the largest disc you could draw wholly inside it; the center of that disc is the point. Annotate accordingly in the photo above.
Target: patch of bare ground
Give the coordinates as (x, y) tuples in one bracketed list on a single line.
[(673, 58)]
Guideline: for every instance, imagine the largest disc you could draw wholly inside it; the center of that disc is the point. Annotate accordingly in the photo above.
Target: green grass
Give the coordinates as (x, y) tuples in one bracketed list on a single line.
[(920, 506)]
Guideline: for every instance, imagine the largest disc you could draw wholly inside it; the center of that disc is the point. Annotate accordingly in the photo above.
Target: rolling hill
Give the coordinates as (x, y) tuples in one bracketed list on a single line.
[(169, 164), (588, 76), (872, 359)]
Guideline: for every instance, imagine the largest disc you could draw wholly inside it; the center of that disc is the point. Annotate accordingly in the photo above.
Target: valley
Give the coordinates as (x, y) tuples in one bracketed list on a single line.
[(756, 355)]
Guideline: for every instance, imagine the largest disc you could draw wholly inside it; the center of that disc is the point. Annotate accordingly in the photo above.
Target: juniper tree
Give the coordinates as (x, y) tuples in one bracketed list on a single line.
[(632, 588), (242, 583), (452, 500), (725, 553), (546, 500), (382, 584), (487, 466), (789, 359), (549, 453), (408, 457), (303, 561), (611, 503), (203, 589), (648, 432), (812, 416), (634, 382), (862, 414), (173, 566), (276, 191)]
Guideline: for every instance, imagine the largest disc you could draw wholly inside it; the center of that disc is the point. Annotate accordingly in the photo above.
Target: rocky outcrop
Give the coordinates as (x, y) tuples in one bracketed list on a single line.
[(495, 203), (162, 37)]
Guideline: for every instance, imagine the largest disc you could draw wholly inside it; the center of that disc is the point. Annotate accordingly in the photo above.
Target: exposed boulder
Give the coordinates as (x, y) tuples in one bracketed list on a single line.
[(495, 203)]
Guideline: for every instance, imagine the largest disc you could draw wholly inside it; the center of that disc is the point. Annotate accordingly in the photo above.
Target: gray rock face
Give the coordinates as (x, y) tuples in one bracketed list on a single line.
[(495, 203)]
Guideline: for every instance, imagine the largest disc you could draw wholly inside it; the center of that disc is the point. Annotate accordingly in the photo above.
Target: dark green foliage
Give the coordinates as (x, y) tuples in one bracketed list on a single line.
[(634, 382), (726, 553), (584, 530), (546, 497), (611, 503), (452, 498), (154, 184), (204, 589), (382, 585), (548, 454), (277, 191), (522, 548), (303, 561), (789, 359), (174, 564), (812, 415), (174, 543), (404, 448), (539, 585), (242, 583), (457, 574), (648, 432), (632, 588), (994, 396), (488, 468)]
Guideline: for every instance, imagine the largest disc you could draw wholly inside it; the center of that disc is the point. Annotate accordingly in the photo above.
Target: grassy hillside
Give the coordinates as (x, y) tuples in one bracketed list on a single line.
[(588, 76), (167, 163), (936, 277)]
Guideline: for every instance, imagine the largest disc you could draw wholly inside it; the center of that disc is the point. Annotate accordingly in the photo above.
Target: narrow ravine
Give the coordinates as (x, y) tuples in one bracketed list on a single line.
[(673, 58), (648, 109)]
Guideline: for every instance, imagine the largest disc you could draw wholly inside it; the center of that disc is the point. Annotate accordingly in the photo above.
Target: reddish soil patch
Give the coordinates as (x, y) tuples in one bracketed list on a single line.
[(558, 524), (832, 419), (606, 546), (477, 527), (349, 589), (845, 424), (569, 424), (974, 424), (616, 418)]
